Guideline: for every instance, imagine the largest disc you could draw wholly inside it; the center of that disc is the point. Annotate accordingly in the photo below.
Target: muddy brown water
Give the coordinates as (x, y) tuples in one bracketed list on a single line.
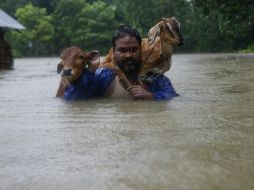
[(203, 139)]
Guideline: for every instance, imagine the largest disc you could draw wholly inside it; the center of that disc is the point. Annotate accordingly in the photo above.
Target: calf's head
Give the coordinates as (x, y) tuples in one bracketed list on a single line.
[(73, 62)]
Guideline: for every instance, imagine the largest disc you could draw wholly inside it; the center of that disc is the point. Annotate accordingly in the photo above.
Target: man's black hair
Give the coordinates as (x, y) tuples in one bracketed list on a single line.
[(125, 30)]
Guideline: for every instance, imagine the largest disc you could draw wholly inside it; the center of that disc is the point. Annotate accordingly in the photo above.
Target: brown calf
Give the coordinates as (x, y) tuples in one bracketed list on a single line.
[(74, 62)]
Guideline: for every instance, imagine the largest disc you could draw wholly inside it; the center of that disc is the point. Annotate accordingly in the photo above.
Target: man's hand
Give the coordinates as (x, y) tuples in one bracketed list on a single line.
[(138, 92)]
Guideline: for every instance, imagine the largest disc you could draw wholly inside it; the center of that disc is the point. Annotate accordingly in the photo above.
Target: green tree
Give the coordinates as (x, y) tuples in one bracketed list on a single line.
[(66, 22), (89, 26), (207, 25), (228, 24), (97, 21), (48, 4), (10, 6), (37, 38)]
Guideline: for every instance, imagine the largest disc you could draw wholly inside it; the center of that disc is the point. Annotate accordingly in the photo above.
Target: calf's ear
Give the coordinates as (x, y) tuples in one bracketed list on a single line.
[(92, 54), (153, 32), (59, 67)]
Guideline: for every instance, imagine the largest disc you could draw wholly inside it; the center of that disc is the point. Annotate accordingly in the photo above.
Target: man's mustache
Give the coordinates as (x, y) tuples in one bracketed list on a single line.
[(129, 64), (128, 61)]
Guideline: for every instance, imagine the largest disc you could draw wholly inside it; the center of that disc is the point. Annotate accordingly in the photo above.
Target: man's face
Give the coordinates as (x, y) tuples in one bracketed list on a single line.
[(127, 54)]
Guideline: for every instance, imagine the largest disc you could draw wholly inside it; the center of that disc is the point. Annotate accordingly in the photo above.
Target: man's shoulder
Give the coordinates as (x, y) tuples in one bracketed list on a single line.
[(161, 78), (103, 74), (104, 70)]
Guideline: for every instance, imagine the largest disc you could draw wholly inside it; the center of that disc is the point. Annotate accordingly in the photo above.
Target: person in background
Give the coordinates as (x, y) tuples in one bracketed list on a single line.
[(6, 61), (106, 82)]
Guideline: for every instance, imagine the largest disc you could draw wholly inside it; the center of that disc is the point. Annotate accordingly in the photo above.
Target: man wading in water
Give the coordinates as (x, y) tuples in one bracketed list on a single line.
[(121, 79)]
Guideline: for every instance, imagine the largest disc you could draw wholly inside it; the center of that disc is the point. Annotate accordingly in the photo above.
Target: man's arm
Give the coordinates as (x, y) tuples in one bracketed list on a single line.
[(91, 85), (82, 89), (159, 89), (162, 89)]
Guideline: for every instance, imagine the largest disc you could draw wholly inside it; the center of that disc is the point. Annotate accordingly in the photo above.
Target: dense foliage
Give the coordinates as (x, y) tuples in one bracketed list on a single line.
[(36, 40), (207, 25)]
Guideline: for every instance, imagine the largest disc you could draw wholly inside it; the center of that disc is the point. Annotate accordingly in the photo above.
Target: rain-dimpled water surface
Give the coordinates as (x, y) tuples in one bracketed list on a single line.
[(203, 139)]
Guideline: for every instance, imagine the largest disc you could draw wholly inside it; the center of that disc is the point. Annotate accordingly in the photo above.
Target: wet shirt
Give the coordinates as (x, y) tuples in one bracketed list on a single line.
[(94, 85)]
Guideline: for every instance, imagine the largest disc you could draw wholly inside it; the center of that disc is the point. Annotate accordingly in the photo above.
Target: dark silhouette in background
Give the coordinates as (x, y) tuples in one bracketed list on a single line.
[(6, 60)]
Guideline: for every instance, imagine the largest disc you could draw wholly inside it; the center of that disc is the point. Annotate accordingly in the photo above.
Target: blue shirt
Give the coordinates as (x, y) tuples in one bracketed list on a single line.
[(93, 85)]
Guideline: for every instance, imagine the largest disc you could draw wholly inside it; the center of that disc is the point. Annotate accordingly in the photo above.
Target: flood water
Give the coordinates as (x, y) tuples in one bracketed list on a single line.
[(203, 139)]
